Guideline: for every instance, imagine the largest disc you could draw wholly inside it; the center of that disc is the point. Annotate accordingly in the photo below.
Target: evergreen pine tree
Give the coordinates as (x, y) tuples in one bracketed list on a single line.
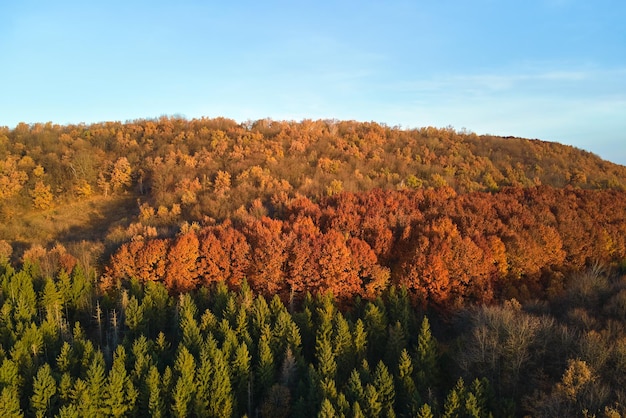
[(304, 320), (395, 344), (376, 327), (81, 404), (426, 358), (327, 410), (342, 407), (480, 388), (354, 388), (141, 365), (202, 384), (52, 301), (94, 400), (155, 404), (325, 358), (187, 312), (43, 400), (371, 401), (259, 317), (343, 348), (241, 326), (265, 370), (121, 394), (213, 394), (360, 341), (65, 360), (65, 387), (184, 389), (454, 404), (10, 403), (240, 371), (425, 412), (383, 382), (472, 410), (400, 309), (10, 374), (221, 400), (134, 318), (408, 399), (357, 412)]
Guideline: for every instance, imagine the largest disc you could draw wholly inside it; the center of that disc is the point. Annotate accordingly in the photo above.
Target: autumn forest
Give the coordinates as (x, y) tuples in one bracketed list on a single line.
[(208, 268)]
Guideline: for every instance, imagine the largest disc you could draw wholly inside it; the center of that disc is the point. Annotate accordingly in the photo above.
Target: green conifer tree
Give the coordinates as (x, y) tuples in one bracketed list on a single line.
[(141, 365), (65, 360), (395, 344), (184, 389), (134, 317), (372, 405), (52, 302), (44, 398), (260, 315), (425, 412), (343, 347), (408, 399), (376, 326), (240, 371), (357, 412), (213, 393), (354, 388), (383, 382), (426, 367), (65, 387), (221, 402), (10, 403), (400, 309), (453, 407), (327, 410), (187, 312), (360, 341), (121, 394), (94, 399), (265, 370), (325, 358), (156, 404), (10, 374)]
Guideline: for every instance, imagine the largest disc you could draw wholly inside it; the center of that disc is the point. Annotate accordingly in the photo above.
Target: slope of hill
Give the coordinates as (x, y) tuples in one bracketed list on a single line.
[(210, 268), (183, 171)]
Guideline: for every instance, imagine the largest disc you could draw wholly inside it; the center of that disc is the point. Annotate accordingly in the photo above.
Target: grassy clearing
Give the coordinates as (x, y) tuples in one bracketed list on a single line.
[(84, 220)]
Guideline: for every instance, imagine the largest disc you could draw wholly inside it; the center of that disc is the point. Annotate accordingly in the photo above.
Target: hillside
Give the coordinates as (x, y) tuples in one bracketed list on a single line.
[(149, 177), (182, 268)]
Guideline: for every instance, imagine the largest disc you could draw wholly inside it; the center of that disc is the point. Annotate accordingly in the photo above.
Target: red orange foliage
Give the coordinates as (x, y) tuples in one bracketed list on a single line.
[(445, 248)]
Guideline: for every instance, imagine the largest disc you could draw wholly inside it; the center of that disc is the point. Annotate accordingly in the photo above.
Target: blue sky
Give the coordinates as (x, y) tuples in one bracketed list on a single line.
[(547, 69)]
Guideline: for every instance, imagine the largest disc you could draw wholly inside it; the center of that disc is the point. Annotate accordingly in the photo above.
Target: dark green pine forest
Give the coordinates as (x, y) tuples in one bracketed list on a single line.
[(209, 268)]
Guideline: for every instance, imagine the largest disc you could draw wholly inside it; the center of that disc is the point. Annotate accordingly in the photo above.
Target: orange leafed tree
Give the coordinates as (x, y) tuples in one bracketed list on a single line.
[(150, 259), (181, 267), (336, 266), (303, 254), (269, 255), (237, 251), (213, 263)]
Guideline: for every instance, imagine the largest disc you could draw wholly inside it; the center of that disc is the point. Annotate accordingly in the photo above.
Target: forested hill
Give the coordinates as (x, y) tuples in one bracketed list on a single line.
[(106, 182), (275, 269)]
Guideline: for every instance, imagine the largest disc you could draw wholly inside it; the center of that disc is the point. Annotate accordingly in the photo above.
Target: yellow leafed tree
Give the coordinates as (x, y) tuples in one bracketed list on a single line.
[(41, 195)]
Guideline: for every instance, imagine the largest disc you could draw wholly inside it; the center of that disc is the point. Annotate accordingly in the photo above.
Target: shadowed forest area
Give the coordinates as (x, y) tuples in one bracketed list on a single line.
[(327, 268)]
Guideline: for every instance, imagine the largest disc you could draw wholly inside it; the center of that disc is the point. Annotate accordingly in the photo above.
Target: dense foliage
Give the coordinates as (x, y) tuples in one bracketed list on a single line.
[(445, 249), (107, 182), (317, 268), (68, 352)]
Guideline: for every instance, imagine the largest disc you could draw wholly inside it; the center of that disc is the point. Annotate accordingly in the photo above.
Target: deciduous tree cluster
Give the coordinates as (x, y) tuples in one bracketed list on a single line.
[(447, 249)]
